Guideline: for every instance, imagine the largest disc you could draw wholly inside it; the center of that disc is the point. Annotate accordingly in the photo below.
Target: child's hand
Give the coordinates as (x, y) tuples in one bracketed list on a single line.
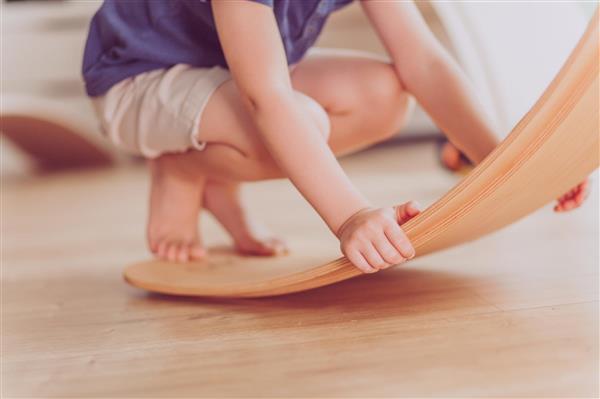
[(372, 238), (574, 198)]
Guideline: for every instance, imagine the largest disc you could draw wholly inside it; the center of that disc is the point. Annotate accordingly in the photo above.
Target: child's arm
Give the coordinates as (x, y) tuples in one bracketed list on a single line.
[(428, 72), (255, 55)]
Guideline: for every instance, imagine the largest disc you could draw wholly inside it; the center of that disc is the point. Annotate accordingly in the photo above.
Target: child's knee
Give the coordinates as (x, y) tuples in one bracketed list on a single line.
[(387, 95), (317, 113), (385, 88)]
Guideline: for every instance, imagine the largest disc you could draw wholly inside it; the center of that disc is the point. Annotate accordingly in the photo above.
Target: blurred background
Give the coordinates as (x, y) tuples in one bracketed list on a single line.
[(48, 124)]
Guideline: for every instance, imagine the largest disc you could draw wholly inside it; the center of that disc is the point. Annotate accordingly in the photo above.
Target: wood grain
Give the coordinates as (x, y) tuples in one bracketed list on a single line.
[(511, 315), (552, 148)]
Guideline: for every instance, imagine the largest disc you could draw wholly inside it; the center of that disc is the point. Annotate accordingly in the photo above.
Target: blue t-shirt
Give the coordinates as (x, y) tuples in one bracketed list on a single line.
[(129, 37)]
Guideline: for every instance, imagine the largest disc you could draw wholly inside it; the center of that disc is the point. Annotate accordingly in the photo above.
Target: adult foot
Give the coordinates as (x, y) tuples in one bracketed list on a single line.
[(223, 200), (174, 207)]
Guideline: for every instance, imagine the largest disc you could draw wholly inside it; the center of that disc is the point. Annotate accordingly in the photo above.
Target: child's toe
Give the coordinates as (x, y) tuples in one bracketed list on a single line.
[(153, 245), (161, 249), (183, 253), (171, 254), (196, 252), (262, 249), (277, 246), (268, 247)]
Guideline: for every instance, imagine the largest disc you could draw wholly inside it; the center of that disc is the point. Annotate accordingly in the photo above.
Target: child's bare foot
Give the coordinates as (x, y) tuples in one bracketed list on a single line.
[(174, 207), (452, 158), (222, 199)]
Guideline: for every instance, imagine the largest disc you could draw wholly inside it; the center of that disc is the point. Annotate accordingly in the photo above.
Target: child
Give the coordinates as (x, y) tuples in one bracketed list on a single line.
[(215, 93)]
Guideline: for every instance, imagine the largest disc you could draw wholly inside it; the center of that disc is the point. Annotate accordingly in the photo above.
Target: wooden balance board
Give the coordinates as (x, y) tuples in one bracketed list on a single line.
[(553, 148), (56, 134)]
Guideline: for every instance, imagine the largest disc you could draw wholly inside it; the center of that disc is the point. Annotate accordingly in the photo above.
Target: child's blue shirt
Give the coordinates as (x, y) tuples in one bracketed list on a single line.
[(129, 37)]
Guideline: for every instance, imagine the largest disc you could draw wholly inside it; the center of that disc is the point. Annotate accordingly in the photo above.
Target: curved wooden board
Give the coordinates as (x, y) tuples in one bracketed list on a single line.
[(56, 134), (552, 148)]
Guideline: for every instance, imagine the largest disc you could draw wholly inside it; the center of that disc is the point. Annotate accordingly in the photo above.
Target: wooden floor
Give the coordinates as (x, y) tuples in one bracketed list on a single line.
[(514, 314)]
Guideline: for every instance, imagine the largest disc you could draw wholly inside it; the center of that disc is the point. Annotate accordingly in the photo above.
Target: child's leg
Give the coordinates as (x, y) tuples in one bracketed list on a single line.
[(356, 101), (175, 198), (181, 183), (222, 199), (179, 189), (363, 96)]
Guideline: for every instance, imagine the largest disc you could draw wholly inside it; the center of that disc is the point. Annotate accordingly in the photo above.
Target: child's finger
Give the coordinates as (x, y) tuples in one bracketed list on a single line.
[(413, 209), (569, 205), (581, 196), (388, 252), (372, 256), (574, 198), (400, 241), (407, 211), (359, 261)]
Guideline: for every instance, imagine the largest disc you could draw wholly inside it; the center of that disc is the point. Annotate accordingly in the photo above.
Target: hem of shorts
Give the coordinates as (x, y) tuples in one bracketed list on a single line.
[(198, 144), (99, 81)]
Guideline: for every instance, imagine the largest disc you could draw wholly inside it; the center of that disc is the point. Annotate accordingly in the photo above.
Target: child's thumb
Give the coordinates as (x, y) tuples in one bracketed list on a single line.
[(407, 211)]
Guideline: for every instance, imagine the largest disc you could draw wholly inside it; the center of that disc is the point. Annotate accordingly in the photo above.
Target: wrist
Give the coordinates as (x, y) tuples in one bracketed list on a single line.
[(345, 211), (340, 230)]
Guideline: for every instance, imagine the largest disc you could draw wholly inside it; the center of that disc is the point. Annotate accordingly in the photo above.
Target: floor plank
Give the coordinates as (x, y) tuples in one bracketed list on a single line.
[(514, 314)]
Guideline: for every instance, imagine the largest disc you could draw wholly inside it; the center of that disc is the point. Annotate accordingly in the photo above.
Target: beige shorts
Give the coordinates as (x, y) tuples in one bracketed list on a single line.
[(159, 111)]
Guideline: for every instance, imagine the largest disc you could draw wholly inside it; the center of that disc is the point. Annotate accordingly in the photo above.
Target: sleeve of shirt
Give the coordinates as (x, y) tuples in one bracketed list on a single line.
[(268, 3)]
